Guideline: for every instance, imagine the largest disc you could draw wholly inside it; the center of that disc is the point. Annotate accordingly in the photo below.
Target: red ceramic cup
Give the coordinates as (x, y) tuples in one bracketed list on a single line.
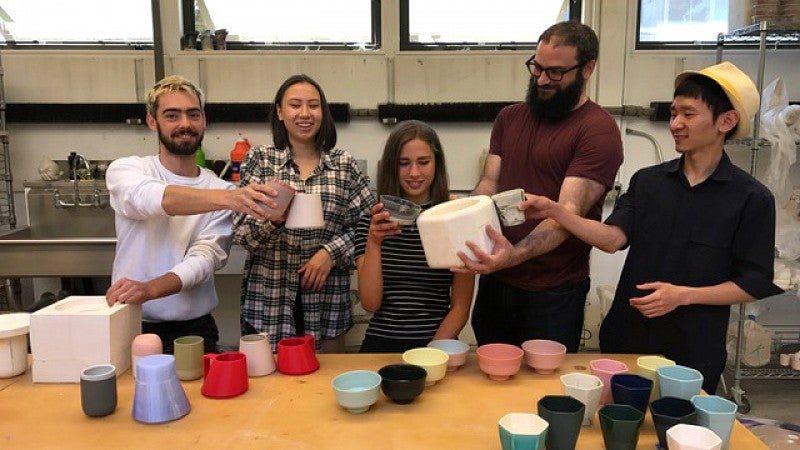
[(297, 355), (224, 374)]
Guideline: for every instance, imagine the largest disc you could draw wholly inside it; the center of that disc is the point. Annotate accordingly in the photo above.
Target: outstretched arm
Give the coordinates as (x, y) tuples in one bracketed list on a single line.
[(608, 238), (184, 201)]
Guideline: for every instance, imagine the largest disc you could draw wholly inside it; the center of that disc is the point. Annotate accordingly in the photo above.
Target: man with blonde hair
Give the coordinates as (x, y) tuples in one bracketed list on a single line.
[(173, 220), (700, 231)]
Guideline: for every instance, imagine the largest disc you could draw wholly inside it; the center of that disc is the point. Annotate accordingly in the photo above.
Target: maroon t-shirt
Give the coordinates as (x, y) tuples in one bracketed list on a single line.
[(537, 156)]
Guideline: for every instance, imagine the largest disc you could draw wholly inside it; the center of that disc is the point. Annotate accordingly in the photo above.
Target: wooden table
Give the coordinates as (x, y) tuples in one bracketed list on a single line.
[(300, 412)]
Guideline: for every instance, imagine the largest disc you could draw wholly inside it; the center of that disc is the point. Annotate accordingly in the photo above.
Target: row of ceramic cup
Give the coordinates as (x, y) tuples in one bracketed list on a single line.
[(557, 425), (296, 355), (159, 396)]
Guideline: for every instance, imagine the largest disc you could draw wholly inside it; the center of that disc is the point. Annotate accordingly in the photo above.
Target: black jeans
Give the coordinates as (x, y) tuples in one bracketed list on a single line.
[(504, 313), (204, 326)]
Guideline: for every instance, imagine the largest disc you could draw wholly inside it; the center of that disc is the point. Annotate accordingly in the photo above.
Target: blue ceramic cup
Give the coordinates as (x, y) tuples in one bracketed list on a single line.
[(158, 395), (631, 389), (679, 381), (357, 390), (716, 414)]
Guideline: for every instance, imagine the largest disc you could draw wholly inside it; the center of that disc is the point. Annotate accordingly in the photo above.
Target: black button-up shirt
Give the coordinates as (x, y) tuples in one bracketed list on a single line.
[(722, 229)]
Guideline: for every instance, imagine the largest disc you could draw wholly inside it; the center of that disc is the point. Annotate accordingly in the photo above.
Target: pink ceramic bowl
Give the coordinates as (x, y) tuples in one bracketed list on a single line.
[(543, 355), (499, 361), (455, 349)]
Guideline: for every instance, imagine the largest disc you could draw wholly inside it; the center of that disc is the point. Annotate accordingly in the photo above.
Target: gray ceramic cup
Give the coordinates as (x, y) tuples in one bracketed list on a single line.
[(99, 390)]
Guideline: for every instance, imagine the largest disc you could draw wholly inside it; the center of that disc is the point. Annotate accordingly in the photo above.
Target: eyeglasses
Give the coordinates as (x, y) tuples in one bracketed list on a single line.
[(553, 73)]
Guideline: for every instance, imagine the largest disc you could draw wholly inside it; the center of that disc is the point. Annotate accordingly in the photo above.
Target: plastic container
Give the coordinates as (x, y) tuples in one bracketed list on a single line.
[(200, 157), (237, 156)]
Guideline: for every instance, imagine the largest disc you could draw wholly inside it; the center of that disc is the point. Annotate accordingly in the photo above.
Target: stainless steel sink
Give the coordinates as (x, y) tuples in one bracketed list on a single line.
[(75, 241), (28, 253)]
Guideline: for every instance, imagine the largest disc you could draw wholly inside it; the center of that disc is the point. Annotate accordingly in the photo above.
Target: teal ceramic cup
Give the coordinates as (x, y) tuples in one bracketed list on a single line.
[(679, 381), (522, 431), (716, 414), (620, 425)]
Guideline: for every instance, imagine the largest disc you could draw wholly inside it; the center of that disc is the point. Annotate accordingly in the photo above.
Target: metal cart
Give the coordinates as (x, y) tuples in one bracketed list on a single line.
[(775, 35)]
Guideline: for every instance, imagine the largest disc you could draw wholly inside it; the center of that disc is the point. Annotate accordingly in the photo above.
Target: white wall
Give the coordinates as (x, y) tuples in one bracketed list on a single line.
[(363, 79)]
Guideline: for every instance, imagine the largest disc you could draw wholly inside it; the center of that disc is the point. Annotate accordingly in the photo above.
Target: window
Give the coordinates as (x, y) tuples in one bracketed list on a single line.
[(684, 22), (281, 24), (478, 24), (85, 23)]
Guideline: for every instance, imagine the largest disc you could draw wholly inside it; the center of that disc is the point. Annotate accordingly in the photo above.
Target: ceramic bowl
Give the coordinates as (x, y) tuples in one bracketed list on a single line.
[(543, 355), (402, 382), (433, 360), (455, 349), (357, 390), (402, 211), (499, 361)]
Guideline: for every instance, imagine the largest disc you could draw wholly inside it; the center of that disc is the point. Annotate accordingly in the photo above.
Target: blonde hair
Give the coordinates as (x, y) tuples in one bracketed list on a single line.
[(172, 83)]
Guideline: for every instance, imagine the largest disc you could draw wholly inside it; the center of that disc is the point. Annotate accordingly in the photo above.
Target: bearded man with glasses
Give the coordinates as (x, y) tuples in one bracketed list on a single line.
[(561, 145)]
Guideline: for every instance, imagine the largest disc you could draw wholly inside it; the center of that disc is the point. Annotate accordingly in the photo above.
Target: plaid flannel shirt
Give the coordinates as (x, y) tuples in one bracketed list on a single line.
[(275, 254)]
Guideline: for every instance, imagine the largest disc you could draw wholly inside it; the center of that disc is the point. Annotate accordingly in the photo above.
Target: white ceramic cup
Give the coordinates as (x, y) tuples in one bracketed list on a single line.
[(13, 355), (795, 361), (692, 437), (585, 388), (14, 329), (507, 203), (305, 211), (258, 352)]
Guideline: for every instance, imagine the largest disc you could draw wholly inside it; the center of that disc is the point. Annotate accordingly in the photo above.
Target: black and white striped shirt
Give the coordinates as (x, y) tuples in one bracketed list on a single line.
[(416, 298)]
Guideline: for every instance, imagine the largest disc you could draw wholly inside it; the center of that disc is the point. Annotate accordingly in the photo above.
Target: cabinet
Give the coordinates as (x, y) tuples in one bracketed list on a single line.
[(777, 36)]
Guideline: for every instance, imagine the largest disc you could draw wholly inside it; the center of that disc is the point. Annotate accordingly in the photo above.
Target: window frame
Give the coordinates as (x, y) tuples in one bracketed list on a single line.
[(575, 13), (14, 44), (188, 21), (743, 39)]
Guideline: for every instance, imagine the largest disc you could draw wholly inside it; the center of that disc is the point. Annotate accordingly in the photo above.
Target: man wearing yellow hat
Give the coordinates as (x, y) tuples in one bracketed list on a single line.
[(701, 231)]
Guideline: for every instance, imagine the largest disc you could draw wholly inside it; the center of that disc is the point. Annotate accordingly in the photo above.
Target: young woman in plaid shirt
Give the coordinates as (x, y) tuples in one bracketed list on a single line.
[(298, 280)]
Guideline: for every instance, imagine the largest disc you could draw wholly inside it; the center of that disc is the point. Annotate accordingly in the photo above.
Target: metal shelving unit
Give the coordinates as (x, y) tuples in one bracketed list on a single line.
[(776, 36), (8, 217)]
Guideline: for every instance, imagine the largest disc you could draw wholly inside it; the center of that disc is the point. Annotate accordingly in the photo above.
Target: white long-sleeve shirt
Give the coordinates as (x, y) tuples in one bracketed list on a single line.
[(151, 243)]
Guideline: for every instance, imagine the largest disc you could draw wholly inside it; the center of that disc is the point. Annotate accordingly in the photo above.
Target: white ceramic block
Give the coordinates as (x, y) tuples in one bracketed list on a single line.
[(80, 331), (445, 229)]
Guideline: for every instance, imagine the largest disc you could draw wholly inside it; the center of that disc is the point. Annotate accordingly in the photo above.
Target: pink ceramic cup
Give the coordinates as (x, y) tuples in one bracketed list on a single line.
[(284, 197), (605, 369), (144, 345)]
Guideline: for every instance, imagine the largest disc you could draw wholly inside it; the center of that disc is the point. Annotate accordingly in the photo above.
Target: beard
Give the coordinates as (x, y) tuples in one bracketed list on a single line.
[(186, 148), (557, 106)]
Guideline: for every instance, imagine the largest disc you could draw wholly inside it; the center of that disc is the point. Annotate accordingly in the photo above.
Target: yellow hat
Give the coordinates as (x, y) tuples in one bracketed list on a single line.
[(739, 88)]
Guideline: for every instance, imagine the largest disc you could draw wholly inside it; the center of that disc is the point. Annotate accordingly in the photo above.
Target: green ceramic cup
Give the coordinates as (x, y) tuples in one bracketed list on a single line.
[(620, 425)]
